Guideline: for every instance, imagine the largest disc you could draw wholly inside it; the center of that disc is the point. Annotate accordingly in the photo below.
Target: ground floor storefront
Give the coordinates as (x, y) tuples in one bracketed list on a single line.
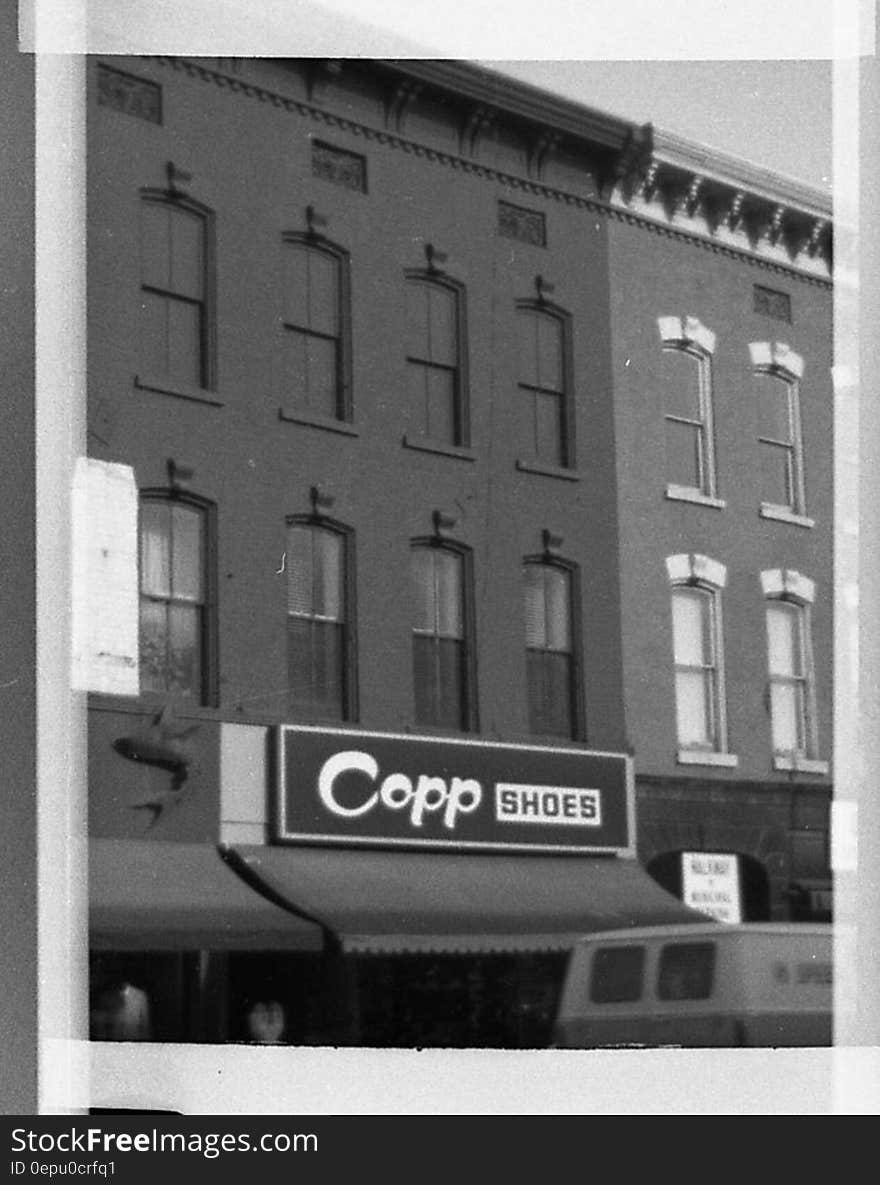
[(761, 853), (320, 946)]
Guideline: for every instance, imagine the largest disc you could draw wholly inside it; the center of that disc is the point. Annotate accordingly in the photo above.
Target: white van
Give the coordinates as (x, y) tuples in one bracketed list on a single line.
[(764, 984)]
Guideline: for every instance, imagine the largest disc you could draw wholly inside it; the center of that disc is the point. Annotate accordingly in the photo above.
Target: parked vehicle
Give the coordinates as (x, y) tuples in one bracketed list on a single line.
[(762, 984)]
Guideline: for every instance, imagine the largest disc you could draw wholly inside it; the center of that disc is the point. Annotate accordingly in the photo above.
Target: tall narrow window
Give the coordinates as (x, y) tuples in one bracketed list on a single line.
[(698, 659), (435, 358), (441, 654), (316, 327), (174, 624), (175, 335), (792, 694), (550, 651), (780, 450), (685, 380), (545, 383), (320, 681)]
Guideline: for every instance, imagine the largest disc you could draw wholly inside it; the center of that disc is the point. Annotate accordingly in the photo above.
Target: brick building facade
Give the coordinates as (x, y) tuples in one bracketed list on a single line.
[(456, 411)]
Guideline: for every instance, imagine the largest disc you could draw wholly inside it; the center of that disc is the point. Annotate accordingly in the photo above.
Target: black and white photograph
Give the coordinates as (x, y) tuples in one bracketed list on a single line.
[(446, 678)]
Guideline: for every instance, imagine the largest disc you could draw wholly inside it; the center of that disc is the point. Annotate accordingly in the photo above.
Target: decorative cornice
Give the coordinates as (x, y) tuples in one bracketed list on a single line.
[(704, 208)]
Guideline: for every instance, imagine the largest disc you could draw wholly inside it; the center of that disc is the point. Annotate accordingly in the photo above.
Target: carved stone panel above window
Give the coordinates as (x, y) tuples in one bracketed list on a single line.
[(772, 303), (516, 222), (129, 94), (339, 167)]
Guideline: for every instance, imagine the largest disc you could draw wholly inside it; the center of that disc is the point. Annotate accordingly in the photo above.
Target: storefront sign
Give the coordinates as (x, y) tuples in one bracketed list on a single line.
[(346, 786), (710, 883)]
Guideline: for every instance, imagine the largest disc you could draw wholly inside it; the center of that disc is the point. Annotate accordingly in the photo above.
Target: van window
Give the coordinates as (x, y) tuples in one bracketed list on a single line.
[(686, 971), (617, 974)]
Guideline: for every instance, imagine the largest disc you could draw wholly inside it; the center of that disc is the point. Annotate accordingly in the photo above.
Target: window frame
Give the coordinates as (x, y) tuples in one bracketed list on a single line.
[(567, 433), (699, 573), (777, 361), (209, 693), (311, 241), (351, 702), (576, 690), (797, 592), (469, 716), (147, 377), (461, 395), (690, 337)]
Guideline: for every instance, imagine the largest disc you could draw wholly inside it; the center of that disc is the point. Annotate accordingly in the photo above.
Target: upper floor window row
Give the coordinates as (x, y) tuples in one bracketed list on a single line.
[(686, 386), (697, 585)]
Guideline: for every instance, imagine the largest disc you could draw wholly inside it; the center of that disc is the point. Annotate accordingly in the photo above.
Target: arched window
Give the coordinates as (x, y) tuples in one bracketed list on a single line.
[(320, 653), (545, 382), (777, 374), (685, 381), (442, 636), (317, 327), (436, 357), (177, 640), (551, 649), (791, 674), (698, 655), (177, 313)]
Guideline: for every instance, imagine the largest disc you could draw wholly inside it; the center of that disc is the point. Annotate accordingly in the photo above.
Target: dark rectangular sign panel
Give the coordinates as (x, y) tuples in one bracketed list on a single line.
[(344, 786)]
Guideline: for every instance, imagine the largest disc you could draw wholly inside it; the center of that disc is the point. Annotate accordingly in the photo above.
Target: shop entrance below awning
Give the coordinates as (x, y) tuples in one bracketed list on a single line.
[(384, 902), (155, 895)]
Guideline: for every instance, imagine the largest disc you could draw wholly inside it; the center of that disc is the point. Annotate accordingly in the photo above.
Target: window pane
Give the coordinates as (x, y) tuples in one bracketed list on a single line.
[(187, 264), (153, 646), (154, 333), (786, 709), (322, 272), (417, 383), (450, 622), (549, 693), (295, 368), (296, 285), (328, 574), (450, 683), (686, 971), (680, 379), (773, 408), (691, 626), (299, 660), (184, 342), (693, 708), (155, 245), (327, 682), (548, 429), (183, 674), (549, 353), (441, 327), (783, 642), (321, 375), (441, 404), (316, 666), (417, 320), (556, 583), (775, 466), (535, 605), (424, 682), (423, 595), (528, 347), (683, 454), (617, 975), (155, 548), (186, 553), (300, 571)]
